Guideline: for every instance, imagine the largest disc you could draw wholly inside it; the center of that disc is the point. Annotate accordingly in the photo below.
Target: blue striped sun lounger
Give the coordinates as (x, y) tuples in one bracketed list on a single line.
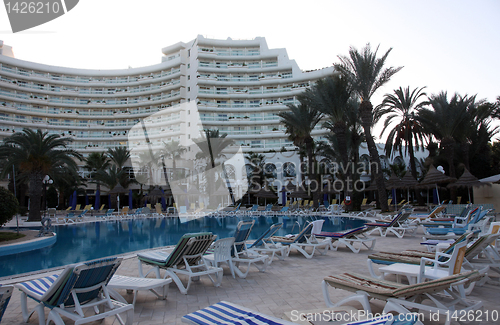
[(228, 313)]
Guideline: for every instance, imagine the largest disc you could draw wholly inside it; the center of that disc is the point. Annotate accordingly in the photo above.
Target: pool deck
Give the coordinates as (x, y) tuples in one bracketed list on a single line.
[(292, 284)]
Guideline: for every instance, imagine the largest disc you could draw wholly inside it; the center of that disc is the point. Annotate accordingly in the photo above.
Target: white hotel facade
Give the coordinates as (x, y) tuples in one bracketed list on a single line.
[(238, 86)]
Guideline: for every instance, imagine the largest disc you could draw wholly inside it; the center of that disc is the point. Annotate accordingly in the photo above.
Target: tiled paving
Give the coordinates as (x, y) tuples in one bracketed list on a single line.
[(292, 284)]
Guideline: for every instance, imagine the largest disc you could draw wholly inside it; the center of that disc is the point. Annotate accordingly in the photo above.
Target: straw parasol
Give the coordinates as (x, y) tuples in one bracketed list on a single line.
[(289, 187), (467, 180), (408, 182), (264, 192), (193, 191), (300, 193), (393, 182), (435, 177), (118, 189), (221, 191)]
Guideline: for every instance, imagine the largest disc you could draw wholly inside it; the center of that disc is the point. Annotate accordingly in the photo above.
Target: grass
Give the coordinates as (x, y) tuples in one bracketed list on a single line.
[(6, 236)]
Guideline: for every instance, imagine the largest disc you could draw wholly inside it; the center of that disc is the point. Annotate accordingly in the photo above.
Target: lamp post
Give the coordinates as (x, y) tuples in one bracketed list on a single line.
[(46, 180)]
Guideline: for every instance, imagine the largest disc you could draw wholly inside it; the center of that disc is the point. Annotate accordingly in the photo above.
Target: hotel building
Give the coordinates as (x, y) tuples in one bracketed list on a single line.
[(238, 86)]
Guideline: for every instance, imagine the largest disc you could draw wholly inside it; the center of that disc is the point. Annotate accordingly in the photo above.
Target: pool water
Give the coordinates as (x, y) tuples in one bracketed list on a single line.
[(87, 241)]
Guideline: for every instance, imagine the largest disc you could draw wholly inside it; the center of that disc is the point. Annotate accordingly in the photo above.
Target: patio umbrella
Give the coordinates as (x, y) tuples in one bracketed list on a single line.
[(435, 177), (266, 193), (467, 180), (163, 202), (300, 193), (154, 194), (408, 182), (130, 199), (222, 191), (97, 202), (393, 183), (289, 187), (73, 200), (118, 189)]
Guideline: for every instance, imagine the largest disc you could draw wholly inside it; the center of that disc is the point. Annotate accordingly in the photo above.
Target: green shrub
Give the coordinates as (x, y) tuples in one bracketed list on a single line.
[(8, 206)]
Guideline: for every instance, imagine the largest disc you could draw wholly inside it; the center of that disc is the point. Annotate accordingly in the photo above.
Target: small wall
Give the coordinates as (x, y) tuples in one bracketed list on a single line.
[(28, 245), (488, 195)]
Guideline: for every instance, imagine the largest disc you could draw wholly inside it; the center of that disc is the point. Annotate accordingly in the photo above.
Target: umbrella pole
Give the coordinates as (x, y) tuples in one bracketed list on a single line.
[(468, 190), (437, 193)]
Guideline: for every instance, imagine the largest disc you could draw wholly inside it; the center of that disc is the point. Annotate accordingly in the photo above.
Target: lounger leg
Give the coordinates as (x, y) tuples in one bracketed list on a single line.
[(303, 251), (372, 271), (55, 317), (360, 296), (155, 269), (27, 314)]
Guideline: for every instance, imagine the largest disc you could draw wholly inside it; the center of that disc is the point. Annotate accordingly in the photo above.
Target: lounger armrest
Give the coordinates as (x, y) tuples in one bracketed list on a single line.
[(441, 254)]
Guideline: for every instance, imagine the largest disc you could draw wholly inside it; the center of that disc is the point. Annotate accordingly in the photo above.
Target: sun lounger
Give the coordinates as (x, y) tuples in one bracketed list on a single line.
[(349, 238), (422, 296), (185, 259), (398, 226), (137, 284), (430, 268), (474, 222), (228, 313), (108, 215), (265, 244), (79, 286), (241, 255), (5, 294), (303, 240), (72, 218)]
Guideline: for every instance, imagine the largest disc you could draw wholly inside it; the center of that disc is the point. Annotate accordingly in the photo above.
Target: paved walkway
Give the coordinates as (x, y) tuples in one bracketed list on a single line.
[(292, 284)]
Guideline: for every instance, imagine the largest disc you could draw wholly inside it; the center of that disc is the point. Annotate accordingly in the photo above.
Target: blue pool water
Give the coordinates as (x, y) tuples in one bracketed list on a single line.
[(87, 241)]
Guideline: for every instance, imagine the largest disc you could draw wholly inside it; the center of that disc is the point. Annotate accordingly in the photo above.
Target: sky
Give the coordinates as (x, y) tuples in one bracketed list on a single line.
[(446, 45)]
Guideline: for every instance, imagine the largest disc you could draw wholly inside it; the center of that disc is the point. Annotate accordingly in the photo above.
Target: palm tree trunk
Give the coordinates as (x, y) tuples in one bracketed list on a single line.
[(465, 152), (340, 132), (449, 149), (35, 194), (365, 109), (411, 153)]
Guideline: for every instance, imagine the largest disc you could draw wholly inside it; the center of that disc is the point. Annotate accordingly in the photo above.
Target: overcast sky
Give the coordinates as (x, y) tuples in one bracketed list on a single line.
[(445, 45)]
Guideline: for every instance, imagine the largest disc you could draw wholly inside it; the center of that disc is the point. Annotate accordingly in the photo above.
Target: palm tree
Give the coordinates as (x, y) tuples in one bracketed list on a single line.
[(94, 162), (119, 156), (173, 150), (257, 162), (445, 121), (478, 130), (212, 148), (402, 106), (365, 72), (299, 122), (36, 154), (332, 97)]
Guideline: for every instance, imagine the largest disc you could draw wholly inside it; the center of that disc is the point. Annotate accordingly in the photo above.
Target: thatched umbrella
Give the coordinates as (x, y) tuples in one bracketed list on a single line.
[(467, 180), (408, 182), (435, 177), (300, 193), (118, 189), (264, 192), (393, 183), (289, 187), (221, 191)]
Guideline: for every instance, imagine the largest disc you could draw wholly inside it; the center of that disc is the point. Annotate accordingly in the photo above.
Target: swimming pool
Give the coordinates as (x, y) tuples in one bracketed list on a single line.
[(87, 241)]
